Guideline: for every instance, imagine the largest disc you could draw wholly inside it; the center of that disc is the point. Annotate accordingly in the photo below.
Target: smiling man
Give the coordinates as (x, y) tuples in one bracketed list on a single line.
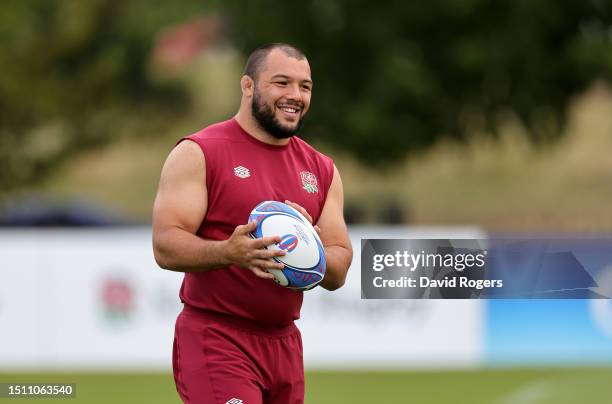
[(235, 340)]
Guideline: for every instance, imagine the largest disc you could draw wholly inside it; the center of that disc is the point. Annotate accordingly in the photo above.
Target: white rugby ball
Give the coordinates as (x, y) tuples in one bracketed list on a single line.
[(305, 257)]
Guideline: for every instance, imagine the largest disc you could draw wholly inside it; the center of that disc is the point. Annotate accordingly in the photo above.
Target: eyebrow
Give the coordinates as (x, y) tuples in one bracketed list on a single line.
[(284, 76)]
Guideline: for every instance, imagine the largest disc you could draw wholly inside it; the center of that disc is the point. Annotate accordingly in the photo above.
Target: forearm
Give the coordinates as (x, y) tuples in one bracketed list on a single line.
[(178, 250), (337, 259)]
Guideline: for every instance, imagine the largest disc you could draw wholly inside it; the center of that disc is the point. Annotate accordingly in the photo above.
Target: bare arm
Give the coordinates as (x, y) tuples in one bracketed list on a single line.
[(180, 206), (334, 235)]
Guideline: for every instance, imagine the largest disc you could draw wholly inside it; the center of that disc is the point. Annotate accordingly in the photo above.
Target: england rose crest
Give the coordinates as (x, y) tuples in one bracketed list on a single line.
[(309, 182)]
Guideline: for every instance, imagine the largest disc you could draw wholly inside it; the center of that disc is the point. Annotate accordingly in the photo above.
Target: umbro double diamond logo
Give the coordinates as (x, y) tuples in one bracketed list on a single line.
[(241, 172)]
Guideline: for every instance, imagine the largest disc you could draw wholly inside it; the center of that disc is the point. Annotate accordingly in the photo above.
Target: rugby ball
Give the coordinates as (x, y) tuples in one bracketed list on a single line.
[(305, 258)]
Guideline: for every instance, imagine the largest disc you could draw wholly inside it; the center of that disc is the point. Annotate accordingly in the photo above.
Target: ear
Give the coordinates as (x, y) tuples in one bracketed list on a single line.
[(247, 85)]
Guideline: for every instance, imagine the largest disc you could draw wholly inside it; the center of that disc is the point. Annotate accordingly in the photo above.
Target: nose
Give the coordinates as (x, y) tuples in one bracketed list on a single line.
[(294, 92)]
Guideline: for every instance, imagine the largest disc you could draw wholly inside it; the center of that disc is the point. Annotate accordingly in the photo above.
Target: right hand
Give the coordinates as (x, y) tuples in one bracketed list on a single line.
[(246, 252)]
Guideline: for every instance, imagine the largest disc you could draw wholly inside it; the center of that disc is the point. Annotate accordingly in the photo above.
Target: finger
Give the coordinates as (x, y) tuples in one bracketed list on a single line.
[(261, 274), (246, 228), (268, 264), (299, 209), (268, 253), (266, 241), (317, 229)]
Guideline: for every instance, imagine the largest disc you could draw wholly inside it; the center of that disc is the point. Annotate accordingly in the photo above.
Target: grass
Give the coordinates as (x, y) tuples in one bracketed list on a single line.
[(469, 387), (531, 386)]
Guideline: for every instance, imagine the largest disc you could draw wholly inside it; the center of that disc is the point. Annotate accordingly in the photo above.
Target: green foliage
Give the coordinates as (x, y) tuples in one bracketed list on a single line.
[(392, 77), (74, 73)]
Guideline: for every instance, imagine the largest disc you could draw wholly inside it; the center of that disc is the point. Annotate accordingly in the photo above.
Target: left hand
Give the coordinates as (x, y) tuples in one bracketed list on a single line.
[(304, 213)]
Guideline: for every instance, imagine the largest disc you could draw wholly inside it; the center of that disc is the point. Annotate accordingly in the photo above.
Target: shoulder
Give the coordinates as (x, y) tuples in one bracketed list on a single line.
[(221, 131), (185, 159), (213, 140), (306, 148)]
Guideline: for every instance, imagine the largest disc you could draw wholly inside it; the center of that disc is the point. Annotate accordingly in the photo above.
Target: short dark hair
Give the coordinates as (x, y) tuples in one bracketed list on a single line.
[(257, 58)]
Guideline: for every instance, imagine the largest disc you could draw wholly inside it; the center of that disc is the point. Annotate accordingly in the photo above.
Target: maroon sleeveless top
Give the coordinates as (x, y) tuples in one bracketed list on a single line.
[(241, 172)]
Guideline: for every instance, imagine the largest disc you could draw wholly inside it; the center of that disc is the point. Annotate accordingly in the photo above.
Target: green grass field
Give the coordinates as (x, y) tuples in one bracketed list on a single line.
[(534, 386)]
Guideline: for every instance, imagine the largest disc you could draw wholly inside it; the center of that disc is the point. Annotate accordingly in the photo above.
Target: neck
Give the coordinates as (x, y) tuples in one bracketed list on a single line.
[(252, 127)]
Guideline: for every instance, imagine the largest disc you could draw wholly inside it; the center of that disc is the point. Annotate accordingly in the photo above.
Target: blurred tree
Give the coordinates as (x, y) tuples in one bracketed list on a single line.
[(74, 75), (392, 77)]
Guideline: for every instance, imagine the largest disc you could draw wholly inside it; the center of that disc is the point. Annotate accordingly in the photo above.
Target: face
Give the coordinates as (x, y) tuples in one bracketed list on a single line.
[(281, 95)]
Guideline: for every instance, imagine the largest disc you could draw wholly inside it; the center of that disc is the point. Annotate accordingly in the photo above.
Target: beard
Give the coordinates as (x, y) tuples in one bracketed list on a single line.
[(264, 115)]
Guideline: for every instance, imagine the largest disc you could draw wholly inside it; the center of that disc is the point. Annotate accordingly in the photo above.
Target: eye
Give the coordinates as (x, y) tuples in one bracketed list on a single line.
[(306, 87), (280, 83)]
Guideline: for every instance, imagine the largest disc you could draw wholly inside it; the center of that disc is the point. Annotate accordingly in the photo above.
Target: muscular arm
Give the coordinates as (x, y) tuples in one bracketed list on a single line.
[(334, 235), (180, 206)]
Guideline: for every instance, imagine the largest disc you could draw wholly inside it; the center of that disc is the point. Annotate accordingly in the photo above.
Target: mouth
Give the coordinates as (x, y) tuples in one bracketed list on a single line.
[(290, 111)]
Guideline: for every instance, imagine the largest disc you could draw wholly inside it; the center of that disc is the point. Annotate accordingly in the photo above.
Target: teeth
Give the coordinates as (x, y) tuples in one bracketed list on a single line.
[(290, 110)]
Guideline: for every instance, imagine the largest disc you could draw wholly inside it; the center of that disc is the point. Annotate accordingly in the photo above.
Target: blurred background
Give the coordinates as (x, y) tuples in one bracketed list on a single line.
[(446, 118)]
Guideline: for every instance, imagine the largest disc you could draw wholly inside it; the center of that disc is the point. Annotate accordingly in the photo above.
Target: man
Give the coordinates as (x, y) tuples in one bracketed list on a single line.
[(235, 340)]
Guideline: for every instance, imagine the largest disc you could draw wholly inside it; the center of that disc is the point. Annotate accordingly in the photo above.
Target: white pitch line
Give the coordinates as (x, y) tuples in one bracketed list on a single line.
[(529, 393)]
